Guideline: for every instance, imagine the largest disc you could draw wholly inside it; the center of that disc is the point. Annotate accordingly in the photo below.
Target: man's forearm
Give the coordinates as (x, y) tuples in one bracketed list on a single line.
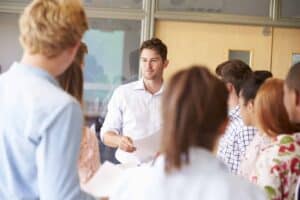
[(111, 139)]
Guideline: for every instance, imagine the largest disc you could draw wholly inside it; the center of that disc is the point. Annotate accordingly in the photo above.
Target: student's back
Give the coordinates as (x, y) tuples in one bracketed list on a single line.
[(204, 178), (41, 126), (32, 107)]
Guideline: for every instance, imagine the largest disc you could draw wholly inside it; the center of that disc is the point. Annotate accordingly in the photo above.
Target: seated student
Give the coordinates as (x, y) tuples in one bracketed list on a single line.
[(194, 108), (246, 101), (277, 165), (72, 82)]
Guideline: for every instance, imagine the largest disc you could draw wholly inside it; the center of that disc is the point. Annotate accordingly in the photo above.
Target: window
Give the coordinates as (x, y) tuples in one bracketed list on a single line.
[(10, 47), (290, 8), (295, 58), (240, 7), (113, 59), (132, 4), (242, 55)]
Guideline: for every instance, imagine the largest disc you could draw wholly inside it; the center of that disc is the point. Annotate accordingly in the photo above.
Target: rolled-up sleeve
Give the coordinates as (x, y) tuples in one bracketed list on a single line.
[(57, 155), (113, 120)]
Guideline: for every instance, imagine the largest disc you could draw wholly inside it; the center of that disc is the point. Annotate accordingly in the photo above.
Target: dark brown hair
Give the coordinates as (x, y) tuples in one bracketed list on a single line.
[(194, 106), (252, 84), (72, 79), (157, 45), (235, 72), (270, 112), (293, 78)]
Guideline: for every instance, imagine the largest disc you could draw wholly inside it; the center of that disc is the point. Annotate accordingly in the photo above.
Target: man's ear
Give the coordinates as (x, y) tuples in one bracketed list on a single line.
[(166, 63), (230, 87), (297, 97), (250, 105)]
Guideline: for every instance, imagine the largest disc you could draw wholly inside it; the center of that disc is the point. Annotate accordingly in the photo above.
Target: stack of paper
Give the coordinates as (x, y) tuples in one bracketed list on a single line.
[(146, 148)]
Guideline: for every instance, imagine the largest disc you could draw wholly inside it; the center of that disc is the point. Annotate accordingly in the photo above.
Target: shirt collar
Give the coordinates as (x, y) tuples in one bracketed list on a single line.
[(234, 112), (139, 85), (37, 71)]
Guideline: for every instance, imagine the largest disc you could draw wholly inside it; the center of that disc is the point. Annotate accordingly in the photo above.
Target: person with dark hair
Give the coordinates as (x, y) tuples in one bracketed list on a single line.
[(237, 137), (194, 112), (247, 96), (246, 102), (134, 108), (270, 117), (72, 82)]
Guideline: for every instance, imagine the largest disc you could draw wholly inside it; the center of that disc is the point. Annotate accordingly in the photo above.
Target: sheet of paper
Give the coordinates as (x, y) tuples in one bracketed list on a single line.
[(127, 158), (104, 181), (147, 147)]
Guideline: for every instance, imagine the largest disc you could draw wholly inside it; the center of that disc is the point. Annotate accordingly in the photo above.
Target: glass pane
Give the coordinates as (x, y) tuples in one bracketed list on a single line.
[(132, 4), (240, 55), (295, 58), (290, 8), (240, 7), (9, 40), (113, 59), (17, 1)]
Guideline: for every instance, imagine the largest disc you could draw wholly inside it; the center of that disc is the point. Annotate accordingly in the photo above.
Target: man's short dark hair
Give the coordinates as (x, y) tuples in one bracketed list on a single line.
[(235, 72), (156, 45)]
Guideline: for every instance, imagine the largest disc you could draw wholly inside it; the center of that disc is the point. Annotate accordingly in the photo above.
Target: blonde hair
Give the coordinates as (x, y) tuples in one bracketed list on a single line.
[(48, 27)]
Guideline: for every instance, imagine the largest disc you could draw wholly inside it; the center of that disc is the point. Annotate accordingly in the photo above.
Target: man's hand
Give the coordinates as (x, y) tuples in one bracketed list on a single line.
[(126, 144)]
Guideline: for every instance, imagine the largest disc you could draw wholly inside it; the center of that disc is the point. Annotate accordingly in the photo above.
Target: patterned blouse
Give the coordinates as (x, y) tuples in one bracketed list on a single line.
[(259, 142), (278, 167), (89, 158)]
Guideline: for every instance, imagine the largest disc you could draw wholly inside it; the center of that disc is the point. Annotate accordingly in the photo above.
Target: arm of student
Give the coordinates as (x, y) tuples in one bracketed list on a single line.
[(57, 155)]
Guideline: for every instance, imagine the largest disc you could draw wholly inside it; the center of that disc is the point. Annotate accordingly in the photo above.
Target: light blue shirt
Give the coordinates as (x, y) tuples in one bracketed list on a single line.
[(40, 134)]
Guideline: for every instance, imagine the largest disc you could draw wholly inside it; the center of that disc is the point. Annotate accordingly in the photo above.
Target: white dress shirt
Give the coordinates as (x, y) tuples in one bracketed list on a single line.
[(204, 178), (133, 111)]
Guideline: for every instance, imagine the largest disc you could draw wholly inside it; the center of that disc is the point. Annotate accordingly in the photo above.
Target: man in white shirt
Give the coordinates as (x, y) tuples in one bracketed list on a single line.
[(134, 109)]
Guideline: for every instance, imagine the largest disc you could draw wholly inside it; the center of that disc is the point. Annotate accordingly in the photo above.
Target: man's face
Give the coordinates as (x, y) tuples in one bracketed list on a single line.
[(289, 100), (152, 64)]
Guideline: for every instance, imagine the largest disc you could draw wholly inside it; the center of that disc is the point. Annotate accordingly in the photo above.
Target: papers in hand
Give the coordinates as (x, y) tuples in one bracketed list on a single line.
[(103, 182), (146, 149)]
